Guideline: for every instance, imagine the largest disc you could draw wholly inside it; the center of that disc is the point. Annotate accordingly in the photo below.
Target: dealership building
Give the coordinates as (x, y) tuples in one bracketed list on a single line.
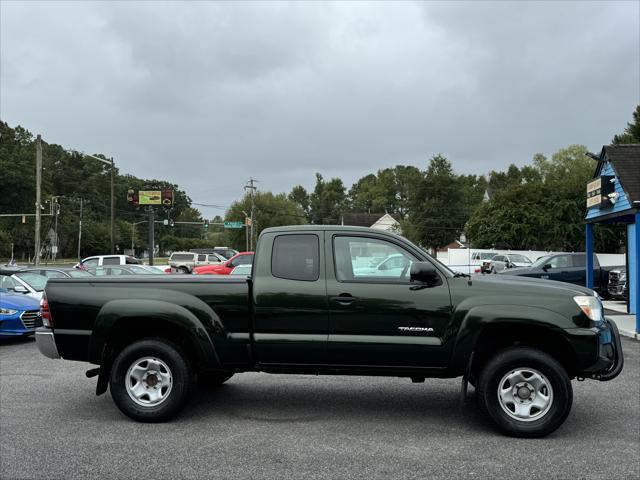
[(613, 196)]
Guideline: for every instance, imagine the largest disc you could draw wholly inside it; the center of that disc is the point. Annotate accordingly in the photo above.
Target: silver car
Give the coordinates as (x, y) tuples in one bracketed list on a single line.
[(502, 262)]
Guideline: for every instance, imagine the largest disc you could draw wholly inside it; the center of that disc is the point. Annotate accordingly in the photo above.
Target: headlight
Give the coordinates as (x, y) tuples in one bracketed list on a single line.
[(7, 311), (591, 306)]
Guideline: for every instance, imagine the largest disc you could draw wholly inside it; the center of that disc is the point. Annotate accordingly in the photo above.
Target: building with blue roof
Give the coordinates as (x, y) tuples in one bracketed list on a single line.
[(613, 196)]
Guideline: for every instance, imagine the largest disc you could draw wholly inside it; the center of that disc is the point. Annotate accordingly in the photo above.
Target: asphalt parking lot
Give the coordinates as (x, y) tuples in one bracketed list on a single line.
[(275, 426)]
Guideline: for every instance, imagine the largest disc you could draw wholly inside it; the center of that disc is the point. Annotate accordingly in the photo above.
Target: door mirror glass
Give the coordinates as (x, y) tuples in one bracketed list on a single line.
[(424, 272), (20, 289)]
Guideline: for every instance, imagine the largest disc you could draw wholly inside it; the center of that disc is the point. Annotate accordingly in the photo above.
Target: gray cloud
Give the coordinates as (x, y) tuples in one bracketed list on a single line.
[(207, 94)]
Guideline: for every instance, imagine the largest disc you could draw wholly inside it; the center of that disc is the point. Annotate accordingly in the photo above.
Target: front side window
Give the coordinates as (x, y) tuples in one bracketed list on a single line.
[(244, 260), (132, 261), (91, 263), (357, 259), (79, 273), (561, 261), (202, 258), (295, 257)]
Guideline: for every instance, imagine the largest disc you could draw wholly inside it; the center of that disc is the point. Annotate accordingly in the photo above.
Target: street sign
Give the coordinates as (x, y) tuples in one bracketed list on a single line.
[(233, 225)]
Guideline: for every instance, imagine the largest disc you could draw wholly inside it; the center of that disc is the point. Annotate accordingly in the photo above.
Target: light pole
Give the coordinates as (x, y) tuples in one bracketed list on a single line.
[(113, 205), (133, 233)]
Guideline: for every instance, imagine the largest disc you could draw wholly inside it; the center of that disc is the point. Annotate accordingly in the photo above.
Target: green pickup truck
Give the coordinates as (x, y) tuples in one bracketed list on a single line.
[(338, 301)]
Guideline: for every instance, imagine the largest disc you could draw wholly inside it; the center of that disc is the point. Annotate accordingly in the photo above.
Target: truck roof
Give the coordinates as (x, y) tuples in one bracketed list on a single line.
[(316, 228)]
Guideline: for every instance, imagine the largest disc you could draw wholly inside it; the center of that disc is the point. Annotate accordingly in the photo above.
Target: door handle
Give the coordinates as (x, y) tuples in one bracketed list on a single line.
[(344, 299)]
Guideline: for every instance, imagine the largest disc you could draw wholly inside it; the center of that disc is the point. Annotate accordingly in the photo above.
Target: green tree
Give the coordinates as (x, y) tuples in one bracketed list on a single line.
[(300, 197), (437, 214), (328, 201), (632, 132), (271, 210)]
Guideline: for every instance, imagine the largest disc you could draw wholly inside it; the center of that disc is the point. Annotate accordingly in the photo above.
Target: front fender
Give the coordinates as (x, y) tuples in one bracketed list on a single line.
[(474, 320), (131, 311)]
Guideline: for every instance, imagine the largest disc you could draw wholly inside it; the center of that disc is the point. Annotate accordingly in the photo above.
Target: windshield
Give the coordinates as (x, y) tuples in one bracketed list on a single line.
[(35, 281), (539, 263), (519, 259)]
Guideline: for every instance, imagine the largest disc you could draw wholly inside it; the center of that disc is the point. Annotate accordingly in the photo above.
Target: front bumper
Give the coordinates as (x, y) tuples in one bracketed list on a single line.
[(617, 291), (610, 357), (46, 343)]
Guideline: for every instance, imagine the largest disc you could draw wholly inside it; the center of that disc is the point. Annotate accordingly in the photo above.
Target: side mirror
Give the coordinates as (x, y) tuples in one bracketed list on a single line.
[(424, 272), (546, 267), (20, 289)]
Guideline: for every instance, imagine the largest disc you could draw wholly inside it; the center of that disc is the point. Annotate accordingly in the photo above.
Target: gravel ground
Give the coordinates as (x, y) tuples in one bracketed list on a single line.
[(52, 426)]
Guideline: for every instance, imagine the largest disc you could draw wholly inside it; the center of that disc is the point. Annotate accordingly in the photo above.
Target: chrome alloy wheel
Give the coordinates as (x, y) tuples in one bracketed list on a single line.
[(525, 394), (149, 381)]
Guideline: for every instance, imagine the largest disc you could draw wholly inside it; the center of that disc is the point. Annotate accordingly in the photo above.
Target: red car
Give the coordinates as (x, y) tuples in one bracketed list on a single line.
[(224, 268)]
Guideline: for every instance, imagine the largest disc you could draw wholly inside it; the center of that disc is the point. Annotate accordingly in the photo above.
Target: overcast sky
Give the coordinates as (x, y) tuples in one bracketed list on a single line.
[(208, 94)]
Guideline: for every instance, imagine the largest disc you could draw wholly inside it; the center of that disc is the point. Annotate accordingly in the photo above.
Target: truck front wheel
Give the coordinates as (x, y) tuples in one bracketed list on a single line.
[(151, 380), (526, 392)]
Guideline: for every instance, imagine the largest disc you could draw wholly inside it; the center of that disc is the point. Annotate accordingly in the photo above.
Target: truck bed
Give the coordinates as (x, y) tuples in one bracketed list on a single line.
[(220, 303)]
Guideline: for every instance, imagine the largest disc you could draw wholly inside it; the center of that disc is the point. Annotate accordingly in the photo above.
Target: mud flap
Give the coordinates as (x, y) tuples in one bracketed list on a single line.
[(465, 383)]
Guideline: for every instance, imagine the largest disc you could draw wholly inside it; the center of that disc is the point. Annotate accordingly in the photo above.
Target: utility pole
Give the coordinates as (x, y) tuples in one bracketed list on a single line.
[(251, 187), (113, 206), (246, 231), (113, 201), (151, 235), (38, 188), (80, 231)]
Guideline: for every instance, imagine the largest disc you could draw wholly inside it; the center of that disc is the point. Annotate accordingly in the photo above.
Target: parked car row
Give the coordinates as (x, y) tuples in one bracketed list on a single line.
[(226, 267), (21, 288)]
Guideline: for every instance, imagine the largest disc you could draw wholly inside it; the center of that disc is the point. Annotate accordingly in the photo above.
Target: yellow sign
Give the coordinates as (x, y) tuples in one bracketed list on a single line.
[(150, 197)]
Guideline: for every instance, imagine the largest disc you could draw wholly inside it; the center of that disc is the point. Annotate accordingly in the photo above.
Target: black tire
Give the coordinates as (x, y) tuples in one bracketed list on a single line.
[(184, 270), (213, 379), (180, 386), (512, 360)]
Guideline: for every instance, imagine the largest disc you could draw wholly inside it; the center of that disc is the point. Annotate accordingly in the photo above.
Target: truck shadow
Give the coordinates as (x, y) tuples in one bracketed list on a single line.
[(279, 400)]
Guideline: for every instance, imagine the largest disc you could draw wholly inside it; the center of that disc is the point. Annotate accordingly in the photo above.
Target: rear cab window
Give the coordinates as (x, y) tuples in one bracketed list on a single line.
[(111, 261), (296, 257)]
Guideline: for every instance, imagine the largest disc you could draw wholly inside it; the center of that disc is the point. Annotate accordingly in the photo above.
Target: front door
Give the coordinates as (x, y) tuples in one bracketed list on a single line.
[(377, 316)]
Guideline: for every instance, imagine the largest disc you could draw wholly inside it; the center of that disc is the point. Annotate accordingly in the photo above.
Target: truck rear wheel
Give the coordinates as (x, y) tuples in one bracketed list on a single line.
[(526, 392), (151, 380)]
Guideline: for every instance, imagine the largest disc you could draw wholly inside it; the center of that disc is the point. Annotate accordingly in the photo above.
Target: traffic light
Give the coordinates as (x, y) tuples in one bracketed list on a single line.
[(132, 197), (167, 197), (172, 223)]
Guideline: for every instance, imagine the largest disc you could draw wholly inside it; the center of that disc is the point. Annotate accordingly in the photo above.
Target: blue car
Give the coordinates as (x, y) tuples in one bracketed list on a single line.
[(19, 314)]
